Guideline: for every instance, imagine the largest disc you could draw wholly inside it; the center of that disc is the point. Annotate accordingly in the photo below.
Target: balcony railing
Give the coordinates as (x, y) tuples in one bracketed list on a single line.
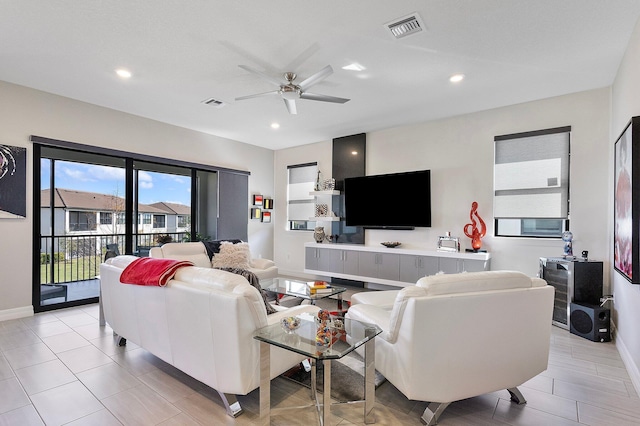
[(73, 258)]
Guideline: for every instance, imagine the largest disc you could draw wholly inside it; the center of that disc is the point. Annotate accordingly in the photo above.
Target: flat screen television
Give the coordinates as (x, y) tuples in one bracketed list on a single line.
[(392, 201)]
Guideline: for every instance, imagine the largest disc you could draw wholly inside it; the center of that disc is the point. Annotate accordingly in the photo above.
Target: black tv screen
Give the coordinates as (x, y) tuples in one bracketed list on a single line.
[(398, 200)]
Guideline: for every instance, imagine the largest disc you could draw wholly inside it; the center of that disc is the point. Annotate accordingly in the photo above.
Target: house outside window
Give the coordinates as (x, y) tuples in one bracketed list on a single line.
[(300, 205), (159, 221), (531, 183), (82, 221), (106, 218)]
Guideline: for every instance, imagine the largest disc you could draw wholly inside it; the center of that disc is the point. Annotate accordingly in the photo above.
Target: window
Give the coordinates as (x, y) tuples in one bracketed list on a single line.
[(183, 221), (82, 221), (159, 221), (300, 205), (120, 218), (531, 183), (106, 218), (146, 218)]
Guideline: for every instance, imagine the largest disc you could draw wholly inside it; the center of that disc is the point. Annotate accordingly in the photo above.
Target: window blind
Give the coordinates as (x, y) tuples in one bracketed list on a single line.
[(531, 175), (301, 205)]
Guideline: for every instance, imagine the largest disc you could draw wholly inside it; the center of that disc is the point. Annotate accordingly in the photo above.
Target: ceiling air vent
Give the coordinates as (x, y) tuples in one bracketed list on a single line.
[(405, 26), (214, 102)]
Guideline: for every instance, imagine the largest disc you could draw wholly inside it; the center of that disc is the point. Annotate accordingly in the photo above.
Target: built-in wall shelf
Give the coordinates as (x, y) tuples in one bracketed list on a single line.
[(325, 219), (327, 192)]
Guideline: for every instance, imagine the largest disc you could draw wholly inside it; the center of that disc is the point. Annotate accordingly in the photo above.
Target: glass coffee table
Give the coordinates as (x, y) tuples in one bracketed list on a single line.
[(302, 341), (300, 289)]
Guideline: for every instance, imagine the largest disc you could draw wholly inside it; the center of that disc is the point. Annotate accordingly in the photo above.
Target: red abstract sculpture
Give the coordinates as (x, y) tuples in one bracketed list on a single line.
[(471, 230)]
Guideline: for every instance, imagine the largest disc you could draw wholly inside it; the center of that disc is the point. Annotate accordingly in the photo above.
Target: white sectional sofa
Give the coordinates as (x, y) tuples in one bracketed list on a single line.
[(196, 252), (455, 336), (201, 322)]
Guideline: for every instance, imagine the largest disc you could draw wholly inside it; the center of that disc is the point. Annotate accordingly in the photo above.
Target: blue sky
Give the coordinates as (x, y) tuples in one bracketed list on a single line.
[(153, 186)]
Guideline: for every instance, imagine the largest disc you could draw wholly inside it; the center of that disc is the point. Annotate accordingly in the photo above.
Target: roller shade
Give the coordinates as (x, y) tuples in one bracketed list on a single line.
[(531, 175), (301, 205)]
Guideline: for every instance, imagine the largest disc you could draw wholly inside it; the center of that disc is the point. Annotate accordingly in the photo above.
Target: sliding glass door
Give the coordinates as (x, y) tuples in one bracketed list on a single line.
[(81, 213)]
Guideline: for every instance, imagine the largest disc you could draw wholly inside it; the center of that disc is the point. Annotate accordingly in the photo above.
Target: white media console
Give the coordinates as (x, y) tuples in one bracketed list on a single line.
[(398, 267)]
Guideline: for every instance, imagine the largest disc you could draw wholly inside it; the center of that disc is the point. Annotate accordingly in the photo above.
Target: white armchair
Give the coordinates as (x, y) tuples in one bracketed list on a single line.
[(456, 336)]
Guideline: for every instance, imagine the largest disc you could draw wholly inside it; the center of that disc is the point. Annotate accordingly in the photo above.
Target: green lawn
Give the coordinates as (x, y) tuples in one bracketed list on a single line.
[(83, 268)]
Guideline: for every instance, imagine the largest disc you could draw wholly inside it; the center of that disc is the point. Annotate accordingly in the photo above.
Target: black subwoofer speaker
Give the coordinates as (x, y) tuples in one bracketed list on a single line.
[(590, 321)]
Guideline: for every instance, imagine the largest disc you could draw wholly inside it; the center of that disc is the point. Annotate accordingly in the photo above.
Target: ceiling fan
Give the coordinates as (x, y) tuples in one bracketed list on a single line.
[(290, 91)]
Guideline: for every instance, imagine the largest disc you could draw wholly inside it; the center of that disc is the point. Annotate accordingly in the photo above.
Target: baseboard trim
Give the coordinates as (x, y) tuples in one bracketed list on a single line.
[(627, 360), (14, 313)]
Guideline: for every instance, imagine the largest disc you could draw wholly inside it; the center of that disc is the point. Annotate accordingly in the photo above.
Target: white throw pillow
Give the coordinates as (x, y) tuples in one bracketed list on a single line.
[(233, 256)]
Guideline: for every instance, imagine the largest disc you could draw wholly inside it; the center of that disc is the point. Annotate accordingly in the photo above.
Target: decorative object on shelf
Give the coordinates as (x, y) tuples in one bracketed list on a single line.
[(323, 333), (290, 324), (266, 217), (318, 234), (257, 200), (322, 210), (567, 237), (256, 213), (267, 203), (448, 243), (471, 230), (318, 186), (329, 184), (391, 244), (626, 214)]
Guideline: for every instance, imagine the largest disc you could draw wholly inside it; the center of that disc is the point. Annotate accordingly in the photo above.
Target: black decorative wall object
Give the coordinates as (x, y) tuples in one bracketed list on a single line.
[(349, 154)]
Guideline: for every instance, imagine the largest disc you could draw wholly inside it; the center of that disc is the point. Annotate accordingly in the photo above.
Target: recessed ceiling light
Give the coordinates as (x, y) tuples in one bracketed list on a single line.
[(122, 73), (354, 67), (456, 78), (354, 152), (275, 125)]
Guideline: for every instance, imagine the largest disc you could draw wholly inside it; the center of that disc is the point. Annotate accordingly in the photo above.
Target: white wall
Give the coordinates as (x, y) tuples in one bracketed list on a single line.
[(625, 104), (459, 152), (26, 112)]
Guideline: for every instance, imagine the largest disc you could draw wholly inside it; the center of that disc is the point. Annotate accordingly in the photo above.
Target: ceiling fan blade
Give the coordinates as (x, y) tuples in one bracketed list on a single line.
[(316, 78), (291, 106), (261, 75), (323, 98), (257, 95)]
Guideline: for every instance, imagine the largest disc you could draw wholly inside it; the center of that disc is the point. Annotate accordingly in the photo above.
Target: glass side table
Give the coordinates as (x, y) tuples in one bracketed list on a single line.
[(302, 341), (296, 288)]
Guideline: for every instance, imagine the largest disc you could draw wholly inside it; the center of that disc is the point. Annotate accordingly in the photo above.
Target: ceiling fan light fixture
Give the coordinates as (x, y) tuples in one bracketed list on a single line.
[(405, 26), (354, 67)]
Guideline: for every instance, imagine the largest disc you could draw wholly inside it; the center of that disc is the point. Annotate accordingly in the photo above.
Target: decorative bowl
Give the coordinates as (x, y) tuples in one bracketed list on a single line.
[(290, 324), (391, 244)]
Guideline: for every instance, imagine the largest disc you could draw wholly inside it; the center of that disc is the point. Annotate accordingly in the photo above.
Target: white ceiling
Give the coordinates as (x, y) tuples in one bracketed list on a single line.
[(183, 52)]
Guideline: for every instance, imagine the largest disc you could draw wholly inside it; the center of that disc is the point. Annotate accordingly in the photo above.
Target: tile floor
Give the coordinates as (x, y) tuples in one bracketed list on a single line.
[(62, 368)]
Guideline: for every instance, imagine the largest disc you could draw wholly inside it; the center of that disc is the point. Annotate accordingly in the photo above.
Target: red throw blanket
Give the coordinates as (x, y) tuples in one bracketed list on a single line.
[(150, 271)]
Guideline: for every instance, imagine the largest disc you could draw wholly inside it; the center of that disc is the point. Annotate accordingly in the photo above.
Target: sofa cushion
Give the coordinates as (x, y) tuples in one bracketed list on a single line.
[(232, 256), (195, 253), (474, 281), (213, 246)]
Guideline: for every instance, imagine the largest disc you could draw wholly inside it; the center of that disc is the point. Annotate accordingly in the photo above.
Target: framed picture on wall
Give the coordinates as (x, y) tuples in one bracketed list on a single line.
[(268, 203), (13, 182), (256, 213), (626, 206), (257, 200), (266, 216)]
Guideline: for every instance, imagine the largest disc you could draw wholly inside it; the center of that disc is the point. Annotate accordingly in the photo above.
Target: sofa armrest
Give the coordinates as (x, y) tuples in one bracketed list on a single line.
[(262, 263), (292, 312), (372, 314), (383, 299)]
